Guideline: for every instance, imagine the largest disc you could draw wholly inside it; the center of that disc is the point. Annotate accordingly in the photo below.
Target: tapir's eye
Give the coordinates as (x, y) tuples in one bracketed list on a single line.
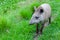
[(41, 11), (36, 17)]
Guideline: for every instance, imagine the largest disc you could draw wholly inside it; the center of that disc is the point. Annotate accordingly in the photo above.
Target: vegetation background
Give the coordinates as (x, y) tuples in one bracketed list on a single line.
[(15, 16)]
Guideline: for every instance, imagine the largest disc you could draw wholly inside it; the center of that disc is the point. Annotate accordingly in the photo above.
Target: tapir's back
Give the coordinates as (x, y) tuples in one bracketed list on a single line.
[(46, 7), (47, 10)]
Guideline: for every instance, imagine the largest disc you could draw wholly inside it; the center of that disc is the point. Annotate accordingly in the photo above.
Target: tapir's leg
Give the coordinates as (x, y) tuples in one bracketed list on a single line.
[(37, 30), (41, 29), (49, 20), (46, 23)]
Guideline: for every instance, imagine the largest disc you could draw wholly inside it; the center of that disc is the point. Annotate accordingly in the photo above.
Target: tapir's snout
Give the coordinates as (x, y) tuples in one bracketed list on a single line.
[(30, 23), (33, 22)]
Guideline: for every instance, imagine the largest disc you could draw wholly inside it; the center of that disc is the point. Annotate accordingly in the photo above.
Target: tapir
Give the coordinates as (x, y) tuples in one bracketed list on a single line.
[(42, 15)]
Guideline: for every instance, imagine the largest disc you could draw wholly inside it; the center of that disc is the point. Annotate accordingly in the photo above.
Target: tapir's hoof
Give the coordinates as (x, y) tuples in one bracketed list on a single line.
[(40, 33), (35, 35)]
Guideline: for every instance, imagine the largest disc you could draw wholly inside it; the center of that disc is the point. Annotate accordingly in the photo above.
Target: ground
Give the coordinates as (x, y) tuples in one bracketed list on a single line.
[(15, 16)]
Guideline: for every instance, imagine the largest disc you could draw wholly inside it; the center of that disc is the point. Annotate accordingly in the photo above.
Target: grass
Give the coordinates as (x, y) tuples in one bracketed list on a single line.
[(15, 16)]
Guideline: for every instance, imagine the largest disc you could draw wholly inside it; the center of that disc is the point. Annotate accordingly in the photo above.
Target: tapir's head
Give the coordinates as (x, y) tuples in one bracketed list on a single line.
[(37, 15)]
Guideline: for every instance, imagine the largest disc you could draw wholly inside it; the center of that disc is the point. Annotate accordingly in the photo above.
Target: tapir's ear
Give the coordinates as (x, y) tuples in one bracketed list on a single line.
[(35, 8)]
